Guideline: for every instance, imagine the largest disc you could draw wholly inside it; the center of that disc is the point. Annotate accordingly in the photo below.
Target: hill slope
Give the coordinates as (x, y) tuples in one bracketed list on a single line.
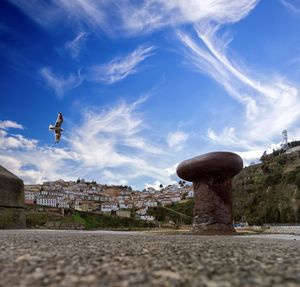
[(269, 192)]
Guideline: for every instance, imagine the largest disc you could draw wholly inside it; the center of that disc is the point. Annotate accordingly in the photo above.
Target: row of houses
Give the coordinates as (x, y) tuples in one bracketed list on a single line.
[(103, 198)]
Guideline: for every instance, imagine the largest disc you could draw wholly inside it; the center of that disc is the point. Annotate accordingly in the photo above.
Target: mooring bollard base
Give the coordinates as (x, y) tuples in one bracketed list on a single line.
[(211, 175)]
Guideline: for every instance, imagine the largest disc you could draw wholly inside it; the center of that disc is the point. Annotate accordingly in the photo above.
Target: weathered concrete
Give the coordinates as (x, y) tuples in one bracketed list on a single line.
[(211, 175), (12, 213), (78, 258)]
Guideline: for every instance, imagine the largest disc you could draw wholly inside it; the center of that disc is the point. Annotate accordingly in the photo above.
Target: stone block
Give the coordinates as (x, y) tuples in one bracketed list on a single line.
[(11, 189), (12, 218), (12, 199)]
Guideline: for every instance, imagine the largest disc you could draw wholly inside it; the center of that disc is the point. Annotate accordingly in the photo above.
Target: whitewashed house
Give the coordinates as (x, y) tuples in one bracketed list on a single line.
[(109, 206), (63, 204), (142, 211), (147, 217), (29, 195), (138, 203), (166, 202), (151, 203), (47, 201), (126, 205)]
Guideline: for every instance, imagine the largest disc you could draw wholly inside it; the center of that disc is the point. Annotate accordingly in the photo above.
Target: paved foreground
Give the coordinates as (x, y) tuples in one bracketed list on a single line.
[(78, 258)]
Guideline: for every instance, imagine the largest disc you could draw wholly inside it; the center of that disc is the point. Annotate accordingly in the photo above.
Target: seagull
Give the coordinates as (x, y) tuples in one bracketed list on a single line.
[(57, 128)]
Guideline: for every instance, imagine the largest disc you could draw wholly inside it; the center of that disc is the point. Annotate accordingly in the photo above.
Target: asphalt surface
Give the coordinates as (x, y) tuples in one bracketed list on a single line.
[(78, 258)]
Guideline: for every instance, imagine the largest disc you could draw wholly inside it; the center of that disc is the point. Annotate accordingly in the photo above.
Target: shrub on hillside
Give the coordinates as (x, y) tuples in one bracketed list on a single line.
[(272, 179), (282, 159), (297, 180), (291, 176)]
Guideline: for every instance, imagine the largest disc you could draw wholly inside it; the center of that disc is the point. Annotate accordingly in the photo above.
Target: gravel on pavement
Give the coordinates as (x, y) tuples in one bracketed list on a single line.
[(99, 258)]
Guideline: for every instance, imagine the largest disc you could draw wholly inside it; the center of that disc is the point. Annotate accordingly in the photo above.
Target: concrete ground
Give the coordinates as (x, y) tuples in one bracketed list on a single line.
[(99, 258)]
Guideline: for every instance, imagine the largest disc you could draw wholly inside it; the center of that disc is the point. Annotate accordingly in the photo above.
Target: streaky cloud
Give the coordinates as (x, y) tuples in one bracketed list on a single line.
[(59, 84), (116, 70), (78, 13), (176, 140), (147, 16), (74, 46), (120, 67), (271, 104), (290, 7), (129, 17)]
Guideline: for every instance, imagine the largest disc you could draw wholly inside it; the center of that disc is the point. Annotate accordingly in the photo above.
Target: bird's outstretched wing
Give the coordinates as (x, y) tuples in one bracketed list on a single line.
[(59, 120), (57, 136)]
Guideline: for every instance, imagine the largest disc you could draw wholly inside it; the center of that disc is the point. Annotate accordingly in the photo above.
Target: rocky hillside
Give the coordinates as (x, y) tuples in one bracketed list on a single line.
[(269, 192)]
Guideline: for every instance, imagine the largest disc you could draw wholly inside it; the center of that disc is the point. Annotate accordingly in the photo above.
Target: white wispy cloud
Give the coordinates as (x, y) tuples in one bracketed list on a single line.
[(60, 84), (151, 15), (74, 46), (271, 104), (120, 67), (290, 7), (39, 163), (116, 70), (156, 185), (10, 124), (88, 13), (115, 140), (177, 139), (134, 17), (35, 163), (13, 141)]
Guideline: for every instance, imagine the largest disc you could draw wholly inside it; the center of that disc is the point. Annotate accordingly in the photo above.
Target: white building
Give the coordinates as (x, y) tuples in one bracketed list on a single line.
[(142, 211), (63, 204), (120, 199), (147, 217), (151, 203), (126, 205), (109, 206), (138, 203), (29, 195), (47, 201), (166, 202), (175, 198), (44, 192)]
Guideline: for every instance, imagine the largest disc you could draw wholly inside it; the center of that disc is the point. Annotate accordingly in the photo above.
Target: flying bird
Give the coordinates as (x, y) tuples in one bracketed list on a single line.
[(57, 127)]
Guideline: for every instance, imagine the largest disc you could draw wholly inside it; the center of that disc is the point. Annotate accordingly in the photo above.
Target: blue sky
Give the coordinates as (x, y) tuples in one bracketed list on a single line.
[(144, 85)]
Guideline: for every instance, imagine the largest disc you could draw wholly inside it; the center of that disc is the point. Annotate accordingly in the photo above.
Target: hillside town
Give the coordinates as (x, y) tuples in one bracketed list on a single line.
[(93, 197)]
